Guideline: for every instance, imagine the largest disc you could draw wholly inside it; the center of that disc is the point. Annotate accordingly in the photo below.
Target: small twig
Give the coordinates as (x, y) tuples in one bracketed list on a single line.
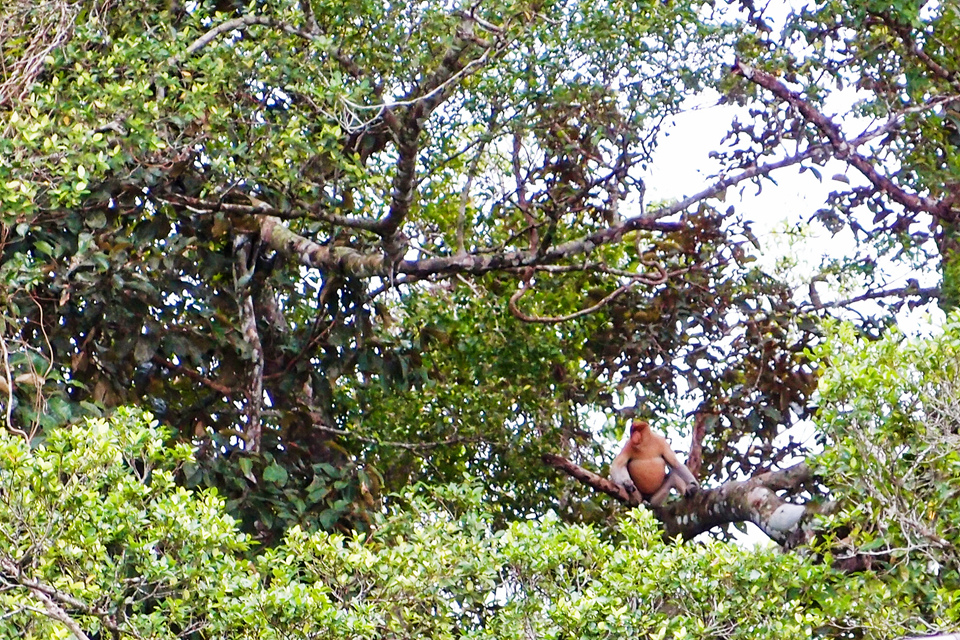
[(522, 203), (391, 285), (512, 304), (319, 425), (433, 93), (471, 175)]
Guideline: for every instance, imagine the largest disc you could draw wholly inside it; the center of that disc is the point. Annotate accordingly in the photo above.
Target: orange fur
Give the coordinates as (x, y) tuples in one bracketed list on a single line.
[(643, 465)]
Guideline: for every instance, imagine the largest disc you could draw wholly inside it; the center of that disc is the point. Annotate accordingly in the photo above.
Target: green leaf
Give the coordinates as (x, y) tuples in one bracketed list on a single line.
[(276, 474)]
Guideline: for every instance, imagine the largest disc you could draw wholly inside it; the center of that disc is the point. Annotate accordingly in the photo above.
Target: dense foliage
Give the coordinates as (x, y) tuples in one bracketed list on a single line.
[(425, 161), (97, 530), (891, 421), (345, 249), (99, 521)]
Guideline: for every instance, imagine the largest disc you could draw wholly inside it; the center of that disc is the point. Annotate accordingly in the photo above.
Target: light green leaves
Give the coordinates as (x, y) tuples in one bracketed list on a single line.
[(93, 517)]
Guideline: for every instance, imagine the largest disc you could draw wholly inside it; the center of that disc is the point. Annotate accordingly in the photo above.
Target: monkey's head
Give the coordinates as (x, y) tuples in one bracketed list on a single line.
[(638, 428)]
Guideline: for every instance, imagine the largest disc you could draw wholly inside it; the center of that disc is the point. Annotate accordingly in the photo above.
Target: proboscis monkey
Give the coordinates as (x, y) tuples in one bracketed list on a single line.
[(642, 466)]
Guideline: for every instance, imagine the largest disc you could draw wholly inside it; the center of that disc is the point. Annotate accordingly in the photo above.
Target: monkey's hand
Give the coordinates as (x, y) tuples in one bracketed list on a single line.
[(692, 490)]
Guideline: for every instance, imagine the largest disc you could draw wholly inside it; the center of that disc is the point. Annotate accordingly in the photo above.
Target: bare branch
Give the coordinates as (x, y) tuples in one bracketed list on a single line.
[(925, 293), (589, 478), (841, 148), (193, 375)]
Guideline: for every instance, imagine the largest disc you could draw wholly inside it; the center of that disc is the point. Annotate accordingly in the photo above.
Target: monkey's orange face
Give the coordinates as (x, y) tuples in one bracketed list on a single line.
[(638, 426)]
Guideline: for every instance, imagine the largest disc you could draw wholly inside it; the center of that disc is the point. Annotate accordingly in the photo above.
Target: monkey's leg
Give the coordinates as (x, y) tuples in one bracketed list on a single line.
[(672, 481)]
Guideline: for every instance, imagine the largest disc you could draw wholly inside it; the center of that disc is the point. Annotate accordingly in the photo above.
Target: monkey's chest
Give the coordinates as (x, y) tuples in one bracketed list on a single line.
[(647, 474)]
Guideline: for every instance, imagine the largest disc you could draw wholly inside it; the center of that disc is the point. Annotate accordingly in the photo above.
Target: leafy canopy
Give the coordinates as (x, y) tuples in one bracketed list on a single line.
[(96, 530), (342, 249)]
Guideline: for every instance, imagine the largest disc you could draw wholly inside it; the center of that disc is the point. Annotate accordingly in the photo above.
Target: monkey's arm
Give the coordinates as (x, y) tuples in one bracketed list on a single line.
[(619, 473), (692, 486)]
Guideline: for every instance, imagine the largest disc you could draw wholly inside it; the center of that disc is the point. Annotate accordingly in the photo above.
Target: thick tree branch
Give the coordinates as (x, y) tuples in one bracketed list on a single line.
[(313, 28), (361, 265), (314, 211), (311, 254), (357, 264), (244, 261), (695, 459), (427, 97), (220, 29), (754, 500), (404, 182)]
